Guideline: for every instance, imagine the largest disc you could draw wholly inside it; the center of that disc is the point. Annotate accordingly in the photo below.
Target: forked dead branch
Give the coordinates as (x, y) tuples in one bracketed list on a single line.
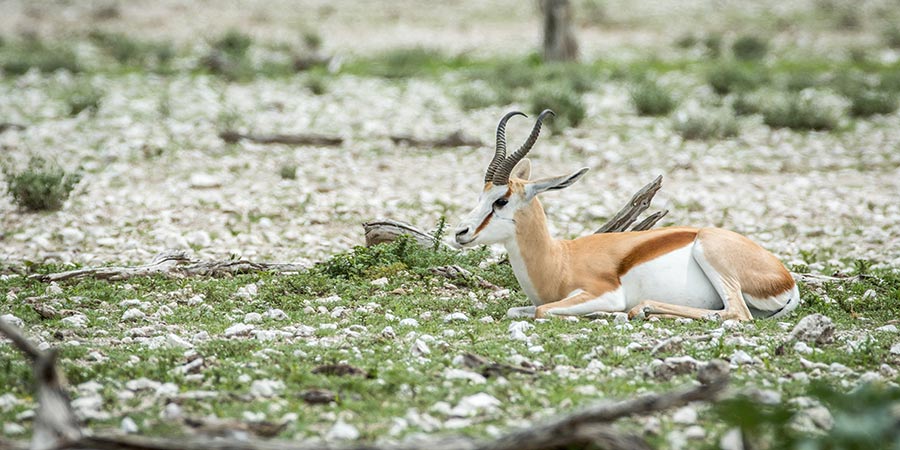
[(56, 426)]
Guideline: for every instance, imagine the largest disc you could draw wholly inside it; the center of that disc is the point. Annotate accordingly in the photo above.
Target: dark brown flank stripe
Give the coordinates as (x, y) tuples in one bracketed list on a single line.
[(655, 247)]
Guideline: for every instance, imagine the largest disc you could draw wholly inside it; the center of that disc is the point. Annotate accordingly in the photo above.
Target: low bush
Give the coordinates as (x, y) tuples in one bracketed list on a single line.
[(806, 110), (749, 48), (734, 77), (651, 99), (42, 186), (705, 124), (564, 100)]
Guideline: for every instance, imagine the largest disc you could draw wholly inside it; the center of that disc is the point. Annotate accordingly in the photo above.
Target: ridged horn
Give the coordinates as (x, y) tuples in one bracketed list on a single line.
[(501, 175), (500, 152)]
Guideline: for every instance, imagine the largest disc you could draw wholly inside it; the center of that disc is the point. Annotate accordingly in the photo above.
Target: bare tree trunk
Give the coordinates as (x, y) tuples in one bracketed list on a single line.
[(559, 38)]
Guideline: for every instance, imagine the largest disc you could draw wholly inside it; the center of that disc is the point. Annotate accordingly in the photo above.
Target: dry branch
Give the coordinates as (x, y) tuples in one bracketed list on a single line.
[(10, 126), (639, 203), (454, 139), (56, 427), (173, 264), (316, 140), (387, 230)]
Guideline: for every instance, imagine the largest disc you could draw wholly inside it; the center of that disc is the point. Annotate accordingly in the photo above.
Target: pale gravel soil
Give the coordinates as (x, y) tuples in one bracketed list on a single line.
[(832, 195)]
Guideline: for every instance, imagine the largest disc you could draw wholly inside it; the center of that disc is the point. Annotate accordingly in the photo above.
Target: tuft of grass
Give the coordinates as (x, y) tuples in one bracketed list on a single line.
[(316, 82), (891, 36), (745, 104), (806, 110), (749, 48), (651, 99), (733, 77), (564, 100), (42, 186), (17, 58), (477, 95), (408, 62), (233, 43), (129, 51), (705, 124), (713, 45), (312, 40), (890, 81), (869, 102), (82, 96), (288, 171)]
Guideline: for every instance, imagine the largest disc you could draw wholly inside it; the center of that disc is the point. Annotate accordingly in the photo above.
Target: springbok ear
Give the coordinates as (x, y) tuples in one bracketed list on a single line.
[(522, 170), (553, 183)]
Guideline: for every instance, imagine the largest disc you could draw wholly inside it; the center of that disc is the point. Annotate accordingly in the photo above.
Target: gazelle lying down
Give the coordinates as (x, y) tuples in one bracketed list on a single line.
[(678, 271)]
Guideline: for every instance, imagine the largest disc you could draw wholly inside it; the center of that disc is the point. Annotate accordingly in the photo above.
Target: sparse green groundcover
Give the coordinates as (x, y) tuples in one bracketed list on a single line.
[(245, 348), (41, 186)]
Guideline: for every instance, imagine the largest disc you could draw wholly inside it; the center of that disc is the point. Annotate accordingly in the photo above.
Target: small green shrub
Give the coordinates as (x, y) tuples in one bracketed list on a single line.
[(82, 96), (713, 45), (891, 36), (745, 104), (890, 81), (316, 82), (651, 99), (807, 110), (565, 101), (749, 48), (16, 58), (869, 102), (477, 96), (233, 43), (687, 41), (410, 62), (312, 40), (288, 171), (800, 80), (42, 186), (731, 77), (705, 124), (130, 51)]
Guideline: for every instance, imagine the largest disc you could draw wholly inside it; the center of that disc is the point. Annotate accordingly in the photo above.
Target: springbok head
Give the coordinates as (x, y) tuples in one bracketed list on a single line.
[(507, 190)]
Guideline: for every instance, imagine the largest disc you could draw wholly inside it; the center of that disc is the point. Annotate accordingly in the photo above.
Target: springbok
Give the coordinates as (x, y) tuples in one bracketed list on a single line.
[(671, 272)]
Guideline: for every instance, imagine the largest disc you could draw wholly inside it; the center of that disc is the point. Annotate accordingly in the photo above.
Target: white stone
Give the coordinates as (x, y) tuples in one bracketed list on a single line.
[(388, 332), (276, 314), (474, 405), (175, 340), (732, 440), (695, 432), (802, 347), (266, 388), (75, 321), (133, 313), (459, 374), (457, 316), (685, 415), (420, 348), (252, 317), (895, 349), (13, 320), (740, 357), (887, 328), (71, 236), (517, 330), (204, 181), (814, 328), (342, 431), (486, 319), (12, 429), (409, 322), (7, 401), (239, 329), (141, 384), (380, 282), (171, 412)]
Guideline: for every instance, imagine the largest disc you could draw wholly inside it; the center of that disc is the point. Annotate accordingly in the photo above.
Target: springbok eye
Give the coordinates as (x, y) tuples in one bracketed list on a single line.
[(500, 202)]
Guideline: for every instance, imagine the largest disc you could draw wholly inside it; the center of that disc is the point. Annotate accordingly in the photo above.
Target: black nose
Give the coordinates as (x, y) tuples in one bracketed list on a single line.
[(462, 231)]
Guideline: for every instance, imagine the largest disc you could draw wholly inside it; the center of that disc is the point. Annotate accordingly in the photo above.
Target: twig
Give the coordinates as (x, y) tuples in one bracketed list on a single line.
[(173, 264), (231, 137), (455, 272), (10, 126), (640, 201), (490, 368), (387, 230), (454, 139)]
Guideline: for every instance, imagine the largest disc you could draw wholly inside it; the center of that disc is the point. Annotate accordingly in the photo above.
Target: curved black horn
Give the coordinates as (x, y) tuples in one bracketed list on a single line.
[(501, 176), (500, 152)]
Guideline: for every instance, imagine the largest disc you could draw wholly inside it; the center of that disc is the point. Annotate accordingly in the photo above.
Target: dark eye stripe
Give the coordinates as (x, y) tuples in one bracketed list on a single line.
[(484, 223)]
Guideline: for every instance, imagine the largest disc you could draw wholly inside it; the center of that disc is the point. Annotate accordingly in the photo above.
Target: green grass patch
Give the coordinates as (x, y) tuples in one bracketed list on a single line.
[(808, 110), (651, 99), (730, 77), (706, 124), (18, 57), (562, 99), (41, 186)]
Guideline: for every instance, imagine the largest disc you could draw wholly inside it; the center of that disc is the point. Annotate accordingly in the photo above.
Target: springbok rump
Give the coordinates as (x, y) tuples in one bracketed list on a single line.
[(671, 272)]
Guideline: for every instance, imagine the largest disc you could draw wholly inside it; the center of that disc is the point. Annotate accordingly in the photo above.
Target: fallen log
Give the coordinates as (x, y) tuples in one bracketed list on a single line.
[(454, 139), (173, 264), (56, 426), (315, 140)]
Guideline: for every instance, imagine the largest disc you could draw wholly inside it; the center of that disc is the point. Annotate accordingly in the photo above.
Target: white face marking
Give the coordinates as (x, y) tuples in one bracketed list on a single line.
[(501, 226)]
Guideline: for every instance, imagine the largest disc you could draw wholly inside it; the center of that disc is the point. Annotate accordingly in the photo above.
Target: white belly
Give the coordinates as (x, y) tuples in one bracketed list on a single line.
[(671, 278)]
